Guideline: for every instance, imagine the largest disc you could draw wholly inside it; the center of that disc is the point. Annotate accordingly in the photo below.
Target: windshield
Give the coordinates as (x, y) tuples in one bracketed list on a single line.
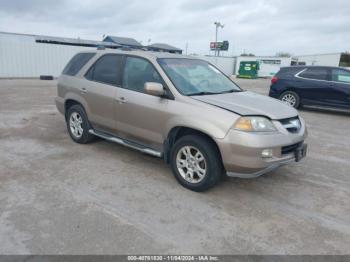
[(196, 77)]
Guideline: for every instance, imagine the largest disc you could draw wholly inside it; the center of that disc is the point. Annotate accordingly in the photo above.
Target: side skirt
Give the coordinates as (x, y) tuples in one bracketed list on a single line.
[(127, 143)]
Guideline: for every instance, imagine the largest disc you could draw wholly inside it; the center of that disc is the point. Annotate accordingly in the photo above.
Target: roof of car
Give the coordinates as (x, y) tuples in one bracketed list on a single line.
[(312, 66)]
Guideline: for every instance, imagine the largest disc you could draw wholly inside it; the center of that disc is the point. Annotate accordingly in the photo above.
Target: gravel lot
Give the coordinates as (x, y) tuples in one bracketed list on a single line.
[(58, 197)]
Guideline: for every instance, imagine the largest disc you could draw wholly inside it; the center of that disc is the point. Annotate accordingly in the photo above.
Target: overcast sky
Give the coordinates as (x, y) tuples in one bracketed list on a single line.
[(257, 26)]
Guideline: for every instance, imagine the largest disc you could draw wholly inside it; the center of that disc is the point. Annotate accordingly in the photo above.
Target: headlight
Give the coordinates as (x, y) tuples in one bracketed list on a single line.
[(254, 124)]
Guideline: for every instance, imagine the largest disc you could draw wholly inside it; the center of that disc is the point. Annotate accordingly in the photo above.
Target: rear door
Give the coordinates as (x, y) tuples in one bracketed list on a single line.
[(102, 80), (314, 86), (341, 85)]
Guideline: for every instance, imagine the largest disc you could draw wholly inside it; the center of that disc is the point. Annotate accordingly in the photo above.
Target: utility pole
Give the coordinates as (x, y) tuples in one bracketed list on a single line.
[(217, 25), (186, 47)]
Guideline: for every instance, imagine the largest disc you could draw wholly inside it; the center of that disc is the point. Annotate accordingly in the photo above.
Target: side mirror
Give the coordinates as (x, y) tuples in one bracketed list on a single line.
[(154, 89)]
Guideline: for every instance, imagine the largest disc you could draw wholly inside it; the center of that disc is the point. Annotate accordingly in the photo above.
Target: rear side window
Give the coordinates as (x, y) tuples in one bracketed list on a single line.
[(340, 75), (106, 70), (285, 72), (76, 63), (315, 73)]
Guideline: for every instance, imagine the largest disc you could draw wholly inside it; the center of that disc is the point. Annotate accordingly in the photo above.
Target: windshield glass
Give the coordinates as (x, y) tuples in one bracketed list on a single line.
[(196, 77)]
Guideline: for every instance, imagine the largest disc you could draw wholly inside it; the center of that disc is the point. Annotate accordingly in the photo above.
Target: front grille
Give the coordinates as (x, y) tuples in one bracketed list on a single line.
[(292, 124), (291, 148)]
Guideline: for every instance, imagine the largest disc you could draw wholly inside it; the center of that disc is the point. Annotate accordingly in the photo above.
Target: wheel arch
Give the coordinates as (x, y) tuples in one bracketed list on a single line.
[(291, 89), (73, 99), (179, 131)]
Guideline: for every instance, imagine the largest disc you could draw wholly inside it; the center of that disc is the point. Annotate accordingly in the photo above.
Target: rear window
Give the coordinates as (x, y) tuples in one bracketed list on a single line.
[(76, 63), (315, 73), (288, 71)]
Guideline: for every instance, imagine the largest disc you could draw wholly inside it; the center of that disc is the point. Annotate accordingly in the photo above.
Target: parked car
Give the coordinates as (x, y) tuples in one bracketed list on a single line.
[(181, 109), (312, 86)]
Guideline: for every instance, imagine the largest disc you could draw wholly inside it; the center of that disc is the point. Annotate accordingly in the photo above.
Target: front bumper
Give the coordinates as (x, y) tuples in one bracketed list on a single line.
[(241, 152)]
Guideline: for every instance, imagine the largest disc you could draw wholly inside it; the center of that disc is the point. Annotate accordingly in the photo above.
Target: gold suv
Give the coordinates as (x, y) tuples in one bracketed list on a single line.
[(181, 109)]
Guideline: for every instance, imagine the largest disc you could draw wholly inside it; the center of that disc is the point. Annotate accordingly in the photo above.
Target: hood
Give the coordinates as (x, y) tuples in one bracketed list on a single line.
[(249, 103)]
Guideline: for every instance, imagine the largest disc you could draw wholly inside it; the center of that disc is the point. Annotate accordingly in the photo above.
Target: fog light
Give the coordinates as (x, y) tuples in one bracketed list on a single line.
[(266, 153)]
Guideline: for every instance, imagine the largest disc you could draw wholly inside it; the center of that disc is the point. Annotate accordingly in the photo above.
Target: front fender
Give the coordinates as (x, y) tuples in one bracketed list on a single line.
[(214, 130)]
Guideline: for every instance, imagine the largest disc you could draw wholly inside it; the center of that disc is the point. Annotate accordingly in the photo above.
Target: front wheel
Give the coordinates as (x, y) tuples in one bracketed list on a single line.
[(290, 98), (196, 163)]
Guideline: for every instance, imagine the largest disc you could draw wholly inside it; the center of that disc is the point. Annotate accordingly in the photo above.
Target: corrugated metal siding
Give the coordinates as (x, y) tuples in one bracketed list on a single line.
[(21, 56), (225, 64), (321, 60)]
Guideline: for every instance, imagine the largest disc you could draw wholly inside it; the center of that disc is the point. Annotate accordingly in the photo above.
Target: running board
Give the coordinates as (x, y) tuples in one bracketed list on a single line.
[(127, 143)]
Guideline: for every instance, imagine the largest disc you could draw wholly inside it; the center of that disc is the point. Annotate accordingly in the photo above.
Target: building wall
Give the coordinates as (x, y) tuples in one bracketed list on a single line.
[(269, 65), (225, 64), (21, 56), (322, 59)]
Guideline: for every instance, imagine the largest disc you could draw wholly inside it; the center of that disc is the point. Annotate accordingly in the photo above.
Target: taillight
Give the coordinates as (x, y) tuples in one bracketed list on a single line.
[(274, 80)]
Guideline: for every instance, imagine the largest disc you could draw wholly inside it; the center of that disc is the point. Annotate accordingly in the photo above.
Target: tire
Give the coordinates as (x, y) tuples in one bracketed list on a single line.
[(182, 168), (82, 135), (291, 98)]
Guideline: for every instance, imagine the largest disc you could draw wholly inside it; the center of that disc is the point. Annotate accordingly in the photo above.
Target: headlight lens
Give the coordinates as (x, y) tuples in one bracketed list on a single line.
[(254, 124)]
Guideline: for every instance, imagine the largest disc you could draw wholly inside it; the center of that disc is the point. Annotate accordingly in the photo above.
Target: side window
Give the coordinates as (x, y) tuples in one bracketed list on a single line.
[(76, 63), (340, 75), (315, 73), (106, 70), (137, 72)]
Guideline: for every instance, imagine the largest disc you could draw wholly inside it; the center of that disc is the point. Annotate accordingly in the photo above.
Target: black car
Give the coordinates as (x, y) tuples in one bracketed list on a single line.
[(312, 86)]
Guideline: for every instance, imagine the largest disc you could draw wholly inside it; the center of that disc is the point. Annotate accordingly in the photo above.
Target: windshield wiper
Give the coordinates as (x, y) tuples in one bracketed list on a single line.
[(202, 93), (228, 91), (213, 93)]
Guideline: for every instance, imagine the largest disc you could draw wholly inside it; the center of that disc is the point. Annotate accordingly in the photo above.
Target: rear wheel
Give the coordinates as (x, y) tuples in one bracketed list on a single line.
[(290, 98), (196, 163), (78, 125)]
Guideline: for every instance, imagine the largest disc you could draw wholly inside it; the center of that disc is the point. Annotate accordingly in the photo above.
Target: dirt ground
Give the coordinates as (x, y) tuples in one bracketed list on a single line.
[(58, 197)]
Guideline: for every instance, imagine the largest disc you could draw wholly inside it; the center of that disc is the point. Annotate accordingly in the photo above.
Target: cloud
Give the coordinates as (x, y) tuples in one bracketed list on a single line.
[(257, 26)]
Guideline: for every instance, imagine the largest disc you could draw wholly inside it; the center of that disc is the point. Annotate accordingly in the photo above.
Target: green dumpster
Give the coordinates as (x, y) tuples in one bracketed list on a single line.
[(248, 69)]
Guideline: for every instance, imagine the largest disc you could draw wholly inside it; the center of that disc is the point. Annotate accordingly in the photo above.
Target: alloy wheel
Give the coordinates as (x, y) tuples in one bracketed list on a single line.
[(75, 124), (289, 99), (191, 164)]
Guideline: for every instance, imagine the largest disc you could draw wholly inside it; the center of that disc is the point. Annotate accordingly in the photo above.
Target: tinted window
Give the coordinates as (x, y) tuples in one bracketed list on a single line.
[(340, 75), (76, 63), (106, 70), (137, 72), (315, 73)]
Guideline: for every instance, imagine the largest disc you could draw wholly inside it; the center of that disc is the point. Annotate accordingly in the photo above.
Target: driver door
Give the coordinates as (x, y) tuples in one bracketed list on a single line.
[(141, 117)]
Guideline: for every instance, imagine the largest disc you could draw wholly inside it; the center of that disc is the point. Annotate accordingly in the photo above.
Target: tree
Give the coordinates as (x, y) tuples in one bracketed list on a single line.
[(246, 54), (283, 54)]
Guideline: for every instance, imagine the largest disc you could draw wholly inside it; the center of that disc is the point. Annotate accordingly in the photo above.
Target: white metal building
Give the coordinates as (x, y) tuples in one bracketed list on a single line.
[(225, 64), (333, 59), (24, 55), (32, 56)]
